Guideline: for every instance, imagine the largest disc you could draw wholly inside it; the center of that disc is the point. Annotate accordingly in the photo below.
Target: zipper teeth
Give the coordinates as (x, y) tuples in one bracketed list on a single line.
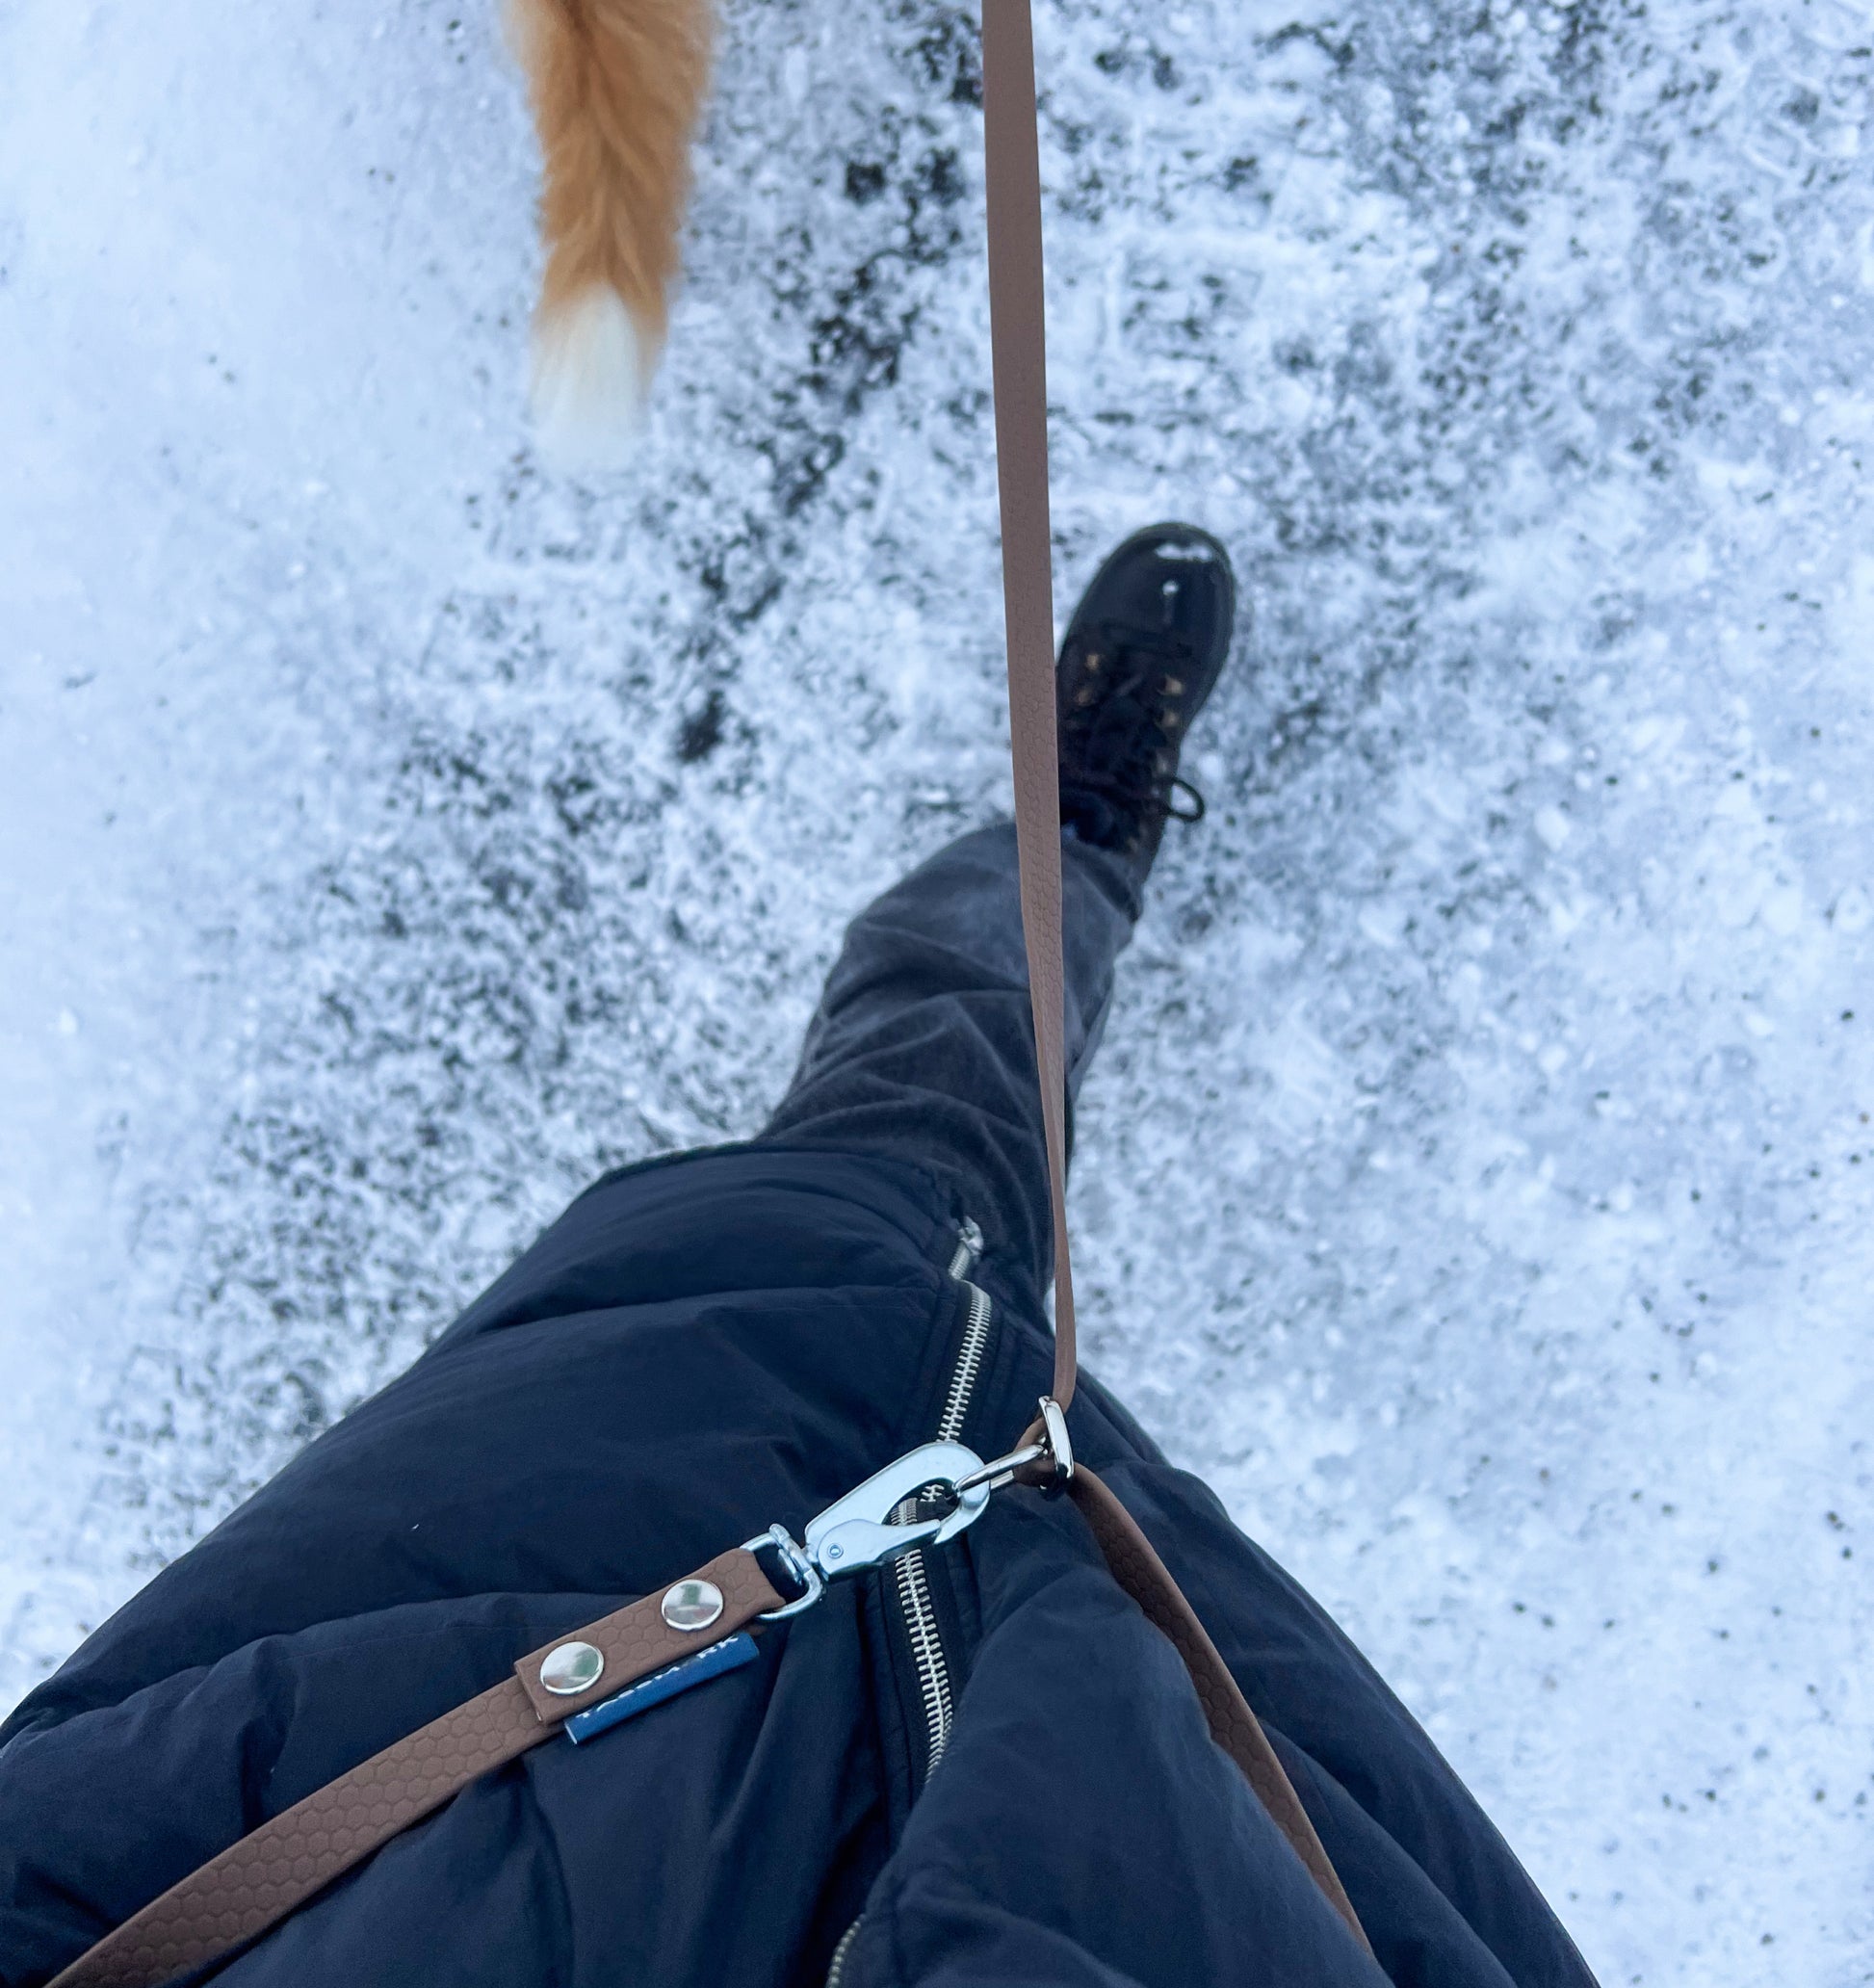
[(968, 1363), (927, 1651), (912, 1579), (843, 1952), (912, 1583)]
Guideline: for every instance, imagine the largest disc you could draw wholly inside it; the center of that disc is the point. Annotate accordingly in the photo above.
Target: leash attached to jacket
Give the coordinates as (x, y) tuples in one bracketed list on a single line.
[(702, 1626), (1018, 337)]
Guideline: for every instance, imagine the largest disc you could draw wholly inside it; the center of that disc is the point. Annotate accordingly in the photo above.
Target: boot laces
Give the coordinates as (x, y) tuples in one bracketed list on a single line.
[(1113, 747)]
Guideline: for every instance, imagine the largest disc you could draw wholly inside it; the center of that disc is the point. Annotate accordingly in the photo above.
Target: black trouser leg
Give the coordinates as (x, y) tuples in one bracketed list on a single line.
[(924, 1044)]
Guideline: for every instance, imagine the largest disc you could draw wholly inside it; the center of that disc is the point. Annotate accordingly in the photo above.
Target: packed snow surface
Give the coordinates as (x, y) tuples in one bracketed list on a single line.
[(1477, 1183)]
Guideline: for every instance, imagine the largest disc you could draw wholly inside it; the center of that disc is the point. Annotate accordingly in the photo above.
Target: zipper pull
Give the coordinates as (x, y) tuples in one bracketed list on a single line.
[(969, 1248)]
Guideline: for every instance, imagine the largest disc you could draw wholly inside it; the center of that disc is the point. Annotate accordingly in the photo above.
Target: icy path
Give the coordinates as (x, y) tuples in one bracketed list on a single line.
[(1478, 1185)]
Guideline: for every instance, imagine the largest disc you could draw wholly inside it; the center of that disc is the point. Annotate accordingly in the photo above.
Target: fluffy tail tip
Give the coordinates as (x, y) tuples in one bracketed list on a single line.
[(590, 375)]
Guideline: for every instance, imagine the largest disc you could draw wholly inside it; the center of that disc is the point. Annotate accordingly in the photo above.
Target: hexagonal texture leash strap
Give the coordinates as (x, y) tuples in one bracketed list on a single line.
[(255, 1883)]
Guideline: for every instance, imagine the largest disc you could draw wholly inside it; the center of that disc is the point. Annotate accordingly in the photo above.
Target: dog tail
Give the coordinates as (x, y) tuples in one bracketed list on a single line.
[(617, 86)]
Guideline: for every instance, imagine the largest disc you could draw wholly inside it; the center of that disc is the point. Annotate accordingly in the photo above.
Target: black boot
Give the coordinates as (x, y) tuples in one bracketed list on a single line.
[(1146, 644)]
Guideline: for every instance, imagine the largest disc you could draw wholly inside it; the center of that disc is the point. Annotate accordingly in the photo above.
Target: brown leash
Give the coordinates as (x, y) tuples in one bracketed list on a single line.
[(253, 1884), (1018, 332), (230, 1902), (1018, 342)]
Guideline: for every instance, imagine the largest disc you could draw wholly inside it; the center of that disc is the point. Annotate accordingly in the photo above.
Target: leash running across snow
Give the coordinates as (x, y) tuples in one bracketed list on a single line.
[(703, 1625), (1018, 341)]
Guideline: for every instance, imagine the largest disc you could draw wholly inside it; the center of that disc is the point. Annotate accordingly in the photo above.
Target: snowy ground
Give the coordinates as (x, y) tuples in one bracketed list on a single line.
[(1477, 1185)]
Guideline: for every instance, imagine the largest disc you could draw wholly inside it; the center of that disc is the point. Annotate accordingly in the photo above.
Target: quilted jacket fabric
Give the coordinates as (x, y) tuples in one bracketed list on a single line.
[(696, 1349)]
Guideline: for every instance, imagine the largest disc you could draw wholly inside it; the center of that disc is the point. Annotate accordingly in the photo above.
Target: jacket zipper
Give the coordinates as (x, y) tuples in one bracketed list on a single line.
[(835, 1973), (910, 1578), (969, 1247), (975, 1337)]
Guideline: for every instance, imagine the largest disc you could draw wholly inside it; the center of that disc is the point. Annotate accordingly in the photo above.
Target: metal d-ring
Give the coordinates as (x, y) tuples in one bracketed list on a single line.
[(803, 1568), (1055, 1448)]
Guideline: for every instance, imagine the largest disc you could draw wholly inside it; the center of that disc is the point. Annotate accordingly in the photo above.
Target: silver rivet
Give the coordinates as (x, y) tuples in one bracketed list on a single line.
[(692, 1605), (571, 1669)]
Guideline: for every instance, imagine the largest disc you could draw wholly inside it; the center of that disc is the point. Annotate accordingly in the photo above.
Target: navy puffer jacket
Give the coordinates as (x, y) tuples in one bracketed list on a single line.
[(996, 1772)]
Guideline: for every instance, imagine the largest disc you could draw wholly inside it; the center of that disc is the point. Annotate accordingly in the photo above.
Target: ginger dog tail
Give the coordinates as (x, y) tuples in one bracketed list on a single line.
[(617, 86)]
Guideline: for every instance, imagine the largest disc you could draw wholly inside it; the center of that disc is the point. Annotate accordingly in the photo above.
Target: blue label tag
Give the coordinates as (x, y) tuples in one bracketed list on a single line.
[(681, 1676)]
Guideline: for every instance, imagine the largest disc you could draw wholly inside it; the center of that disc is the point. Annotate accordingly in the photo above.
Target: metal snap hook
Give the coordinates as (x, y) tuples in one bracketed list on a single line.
[(859, 1531)]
